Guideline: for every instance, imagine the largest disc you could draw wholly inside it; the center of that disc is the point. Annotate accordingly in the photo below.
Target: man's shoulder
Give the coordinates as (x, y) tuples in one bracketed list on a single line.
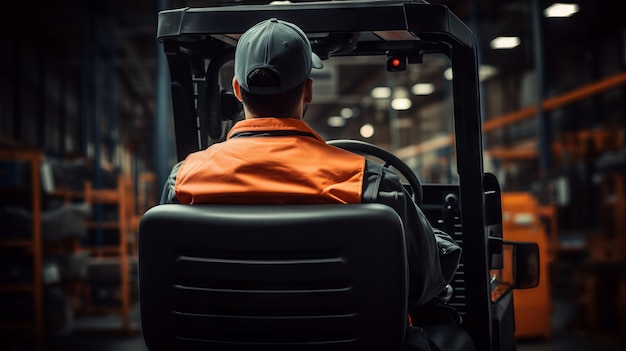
[(376, 170), (378, 181)]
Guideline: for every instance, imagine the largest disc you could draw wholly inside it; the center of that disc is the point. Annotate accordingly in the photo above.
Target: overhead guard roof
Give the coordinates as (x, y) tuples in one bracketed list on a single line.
[(380, 25)]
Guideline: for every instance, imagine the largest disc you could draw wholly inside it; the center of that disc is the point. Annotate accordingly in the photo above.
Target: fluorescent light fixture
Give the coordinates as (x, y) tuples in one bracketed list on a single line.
[(401, 104), (560, 10), (367, 130), (505, 42), (336, 121), (346, 112), (381, 92), (423, 89), (484, 72)]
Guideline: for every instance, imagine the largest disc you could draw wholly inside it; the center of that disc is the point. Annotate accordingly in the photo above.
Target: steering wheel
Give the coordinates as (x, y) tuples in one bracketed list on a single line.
[(364, 148)]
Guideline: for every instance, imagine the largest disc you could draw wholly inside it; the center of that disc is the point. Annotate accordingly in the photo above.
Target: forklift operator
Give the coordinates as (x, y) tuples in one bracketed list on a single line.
[(274, 157)]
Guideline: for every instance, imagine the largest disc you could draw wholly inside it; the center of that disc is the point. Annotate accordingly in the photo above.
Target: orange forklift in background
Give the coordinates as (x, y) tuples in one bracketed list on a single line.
[(522, 221)]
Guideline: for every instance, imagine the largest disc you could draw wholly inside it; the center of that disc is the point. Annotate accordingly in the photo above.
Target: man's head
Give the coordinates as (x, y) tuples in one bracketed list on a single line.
[(273, 62)]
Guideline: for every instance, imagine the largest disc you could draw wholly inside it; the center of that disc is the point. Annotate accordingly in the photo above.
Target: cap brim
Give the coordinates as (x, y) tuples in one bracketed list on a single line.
[(316, 62)]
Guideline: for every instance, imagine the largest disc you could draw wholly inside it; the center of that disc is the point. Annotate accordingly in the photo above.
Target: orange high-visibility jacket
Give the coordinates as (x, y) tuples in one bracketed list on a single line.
[(281, 161), (296, 166)]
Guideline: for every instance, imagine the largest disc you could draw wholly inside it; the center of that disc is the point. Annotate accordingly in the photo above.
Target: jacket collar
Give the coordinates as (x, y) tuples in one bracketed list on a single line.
[(271, 124)]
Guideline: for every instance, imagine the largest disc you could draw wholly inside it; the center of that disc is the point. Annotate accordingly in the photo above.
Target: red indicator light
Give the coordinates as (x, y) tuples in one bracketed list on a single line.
[(396, 63)]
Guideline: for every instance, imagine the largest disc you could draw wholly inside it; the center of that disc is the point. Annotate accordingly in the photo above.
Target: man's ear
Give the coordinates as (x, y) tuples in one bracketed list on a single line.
[(237, 89), (307, 92)]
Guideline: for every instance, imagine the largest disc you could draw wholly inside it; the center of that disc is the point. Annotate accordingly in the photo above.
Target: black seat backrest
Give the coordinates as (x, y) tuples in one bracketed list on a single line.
[(301, 277)]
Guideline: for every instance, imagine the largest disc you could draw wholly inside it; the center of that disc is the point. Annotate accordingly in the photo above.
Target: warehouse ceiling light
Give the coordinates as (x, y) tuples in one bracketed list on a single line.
[(367, 130), (381, 92), (560, 10), (505, 42), (336, 121), (346, 112), (423, 89), (484, 72), (401, 104)]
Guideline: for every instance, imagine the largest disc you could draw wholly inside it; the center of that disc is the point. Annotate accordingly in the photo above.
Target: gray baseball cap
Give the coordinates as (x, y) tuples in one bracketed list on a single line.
[(280, 46)]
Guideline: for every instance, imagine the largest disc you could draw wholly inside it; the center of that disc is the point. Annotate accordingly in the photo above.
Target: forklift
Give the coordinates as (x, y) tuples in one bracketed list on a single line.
[(198, 42)]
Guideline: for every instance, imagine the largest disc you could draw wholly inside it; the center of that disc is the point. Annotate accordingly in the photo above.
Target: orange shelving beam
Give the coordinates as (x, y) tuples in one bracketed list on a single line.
[(525, 113)]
